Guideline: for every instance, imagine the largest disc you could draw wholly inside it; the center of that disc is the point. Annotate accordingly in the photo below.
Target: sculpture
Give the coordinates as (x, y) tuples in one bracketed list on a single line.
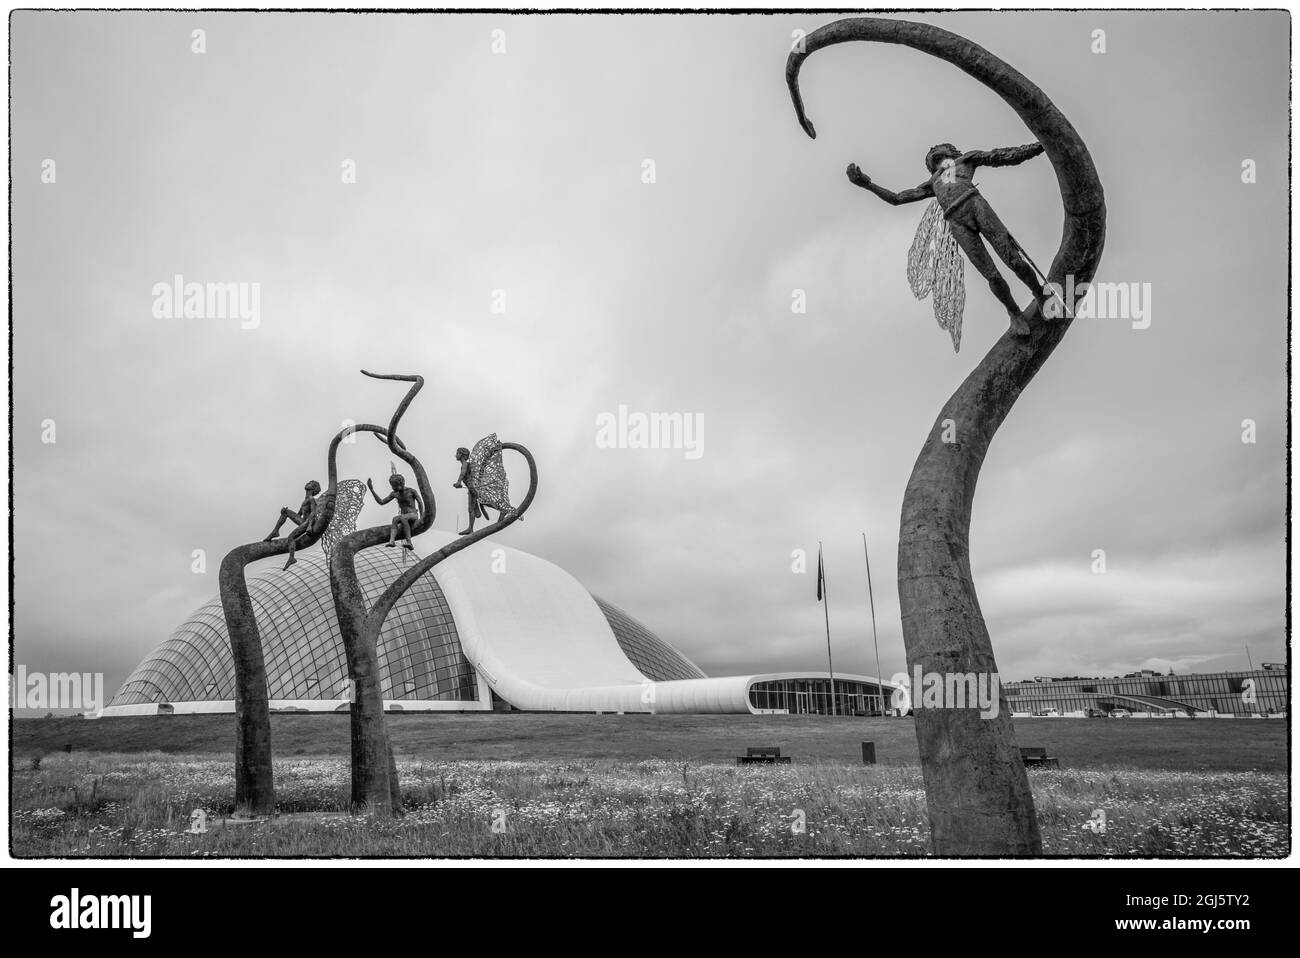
[(374, 771), (969, 220), (484, 476), (347, 506), (254, 780), (303, 517), (977, 792), (409, 507), (375, 786)]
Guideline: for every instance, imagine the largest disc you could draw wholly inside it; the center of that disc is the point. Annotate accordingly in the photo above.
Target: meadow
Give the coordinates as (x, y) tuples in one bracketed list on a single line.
[(644, 786)]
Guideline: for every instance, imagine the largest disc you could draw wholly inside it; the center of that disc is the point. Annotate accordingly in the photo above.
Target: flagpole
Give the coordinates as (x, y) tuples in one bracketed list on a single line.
[(826, 608), (880, 689)]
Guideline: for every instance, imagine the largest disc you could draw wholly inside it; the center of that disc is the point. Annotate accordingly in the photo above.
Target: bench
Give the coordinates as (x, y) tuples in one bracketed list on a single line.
[(1037, 758), (769, 756)]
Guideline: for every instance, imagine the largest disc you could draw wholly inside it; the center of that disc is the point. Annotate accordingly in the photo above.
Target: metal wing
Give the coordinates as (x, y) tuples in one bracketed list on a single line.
[(935, 268), (347, 506), (488, 474)]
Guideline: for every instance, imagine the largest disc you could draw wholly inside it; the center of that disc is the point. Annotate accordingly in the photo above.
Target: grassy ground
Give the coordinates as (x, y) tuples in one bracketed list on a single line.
[(1230, 745), (565, 785), (141, 805)]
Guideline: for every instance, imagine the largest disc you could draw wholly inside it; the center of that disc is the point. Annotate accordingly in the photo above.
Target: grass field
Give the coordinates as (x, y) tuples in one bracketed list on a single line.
[(1172, 744), (565, 785)]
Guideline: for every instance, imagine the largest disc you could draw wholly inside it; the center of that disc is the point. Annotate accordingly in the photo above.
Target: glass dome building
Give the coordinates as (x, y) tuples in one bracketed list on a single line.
[(490, 628), (420, 657)]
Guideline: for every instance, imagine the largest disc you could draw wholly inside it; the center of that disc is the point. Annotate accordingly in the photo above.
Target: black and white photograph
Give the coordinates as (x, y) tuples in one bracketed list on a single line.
[(727, 436)]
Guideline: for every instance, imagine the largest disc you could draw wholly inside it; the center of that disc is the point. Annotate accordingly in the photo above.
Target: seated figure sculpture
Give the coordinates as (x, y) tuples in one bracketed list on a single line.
[(304, 517), (409, 508)]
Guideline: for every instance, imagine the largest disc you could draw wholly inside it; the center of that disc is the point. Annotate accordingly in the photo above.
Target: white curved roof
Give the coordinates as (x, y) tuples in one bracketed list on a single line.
[(543, 644)]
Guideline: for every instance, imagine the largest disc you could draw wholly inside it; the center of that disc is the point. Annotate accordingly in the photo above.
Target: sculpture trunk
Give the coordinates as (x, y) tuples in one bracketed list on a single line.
[(254, 782), (372, 786), (375, 789), (976, 788), (254, 779), (375, 785)]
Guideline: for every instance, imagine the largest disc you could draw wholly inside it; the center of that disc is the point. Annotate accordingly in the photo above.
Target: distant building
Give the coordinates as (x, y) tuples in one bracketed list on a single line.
[(1258, 692)]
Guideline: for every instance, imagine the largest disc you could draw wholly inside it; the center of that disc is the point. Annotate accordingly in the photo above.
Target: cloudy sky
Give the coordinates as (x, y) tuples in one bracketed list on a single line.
[(522, 171)]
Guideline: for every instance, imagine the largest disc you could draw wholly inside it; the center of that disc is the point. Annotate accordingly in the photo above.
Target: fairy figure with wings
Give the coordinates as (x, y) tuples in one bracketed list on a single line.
[(483, 475), (960, 219)]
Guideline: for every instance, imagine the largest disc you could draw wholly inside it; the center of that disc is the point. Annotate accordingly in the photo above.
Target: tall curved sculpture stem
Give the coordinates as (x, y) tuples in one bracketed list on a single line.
[(374, 773), (254, 781), (375, 785), (976, 788)]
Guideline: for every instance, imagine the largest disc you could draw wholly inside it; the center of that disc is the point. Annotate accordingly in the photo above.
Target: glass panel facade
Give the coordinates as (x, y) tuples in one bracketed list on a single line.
[(419, 652), (813, 697), (1261, 692), (653, 657)]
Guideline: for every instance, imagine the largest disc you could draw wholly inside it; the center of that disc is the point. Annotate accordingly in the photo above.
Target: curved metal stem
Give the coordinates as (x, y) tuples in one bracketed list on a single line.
[(374, 773), (976, 788), (254, 780)]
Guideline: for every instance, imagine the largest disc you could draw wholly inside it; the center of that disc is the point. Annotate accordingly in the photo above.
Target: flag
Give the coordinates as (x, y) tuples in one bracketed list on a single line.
[(821, 573)]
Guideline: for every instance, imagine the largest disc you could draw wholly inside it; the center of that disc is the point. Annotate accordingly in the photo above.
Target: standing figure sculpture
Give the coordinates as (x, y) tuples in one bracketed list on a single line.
[(409, 508), (968, 219), (484, 476), (977, 791), (304, 517)]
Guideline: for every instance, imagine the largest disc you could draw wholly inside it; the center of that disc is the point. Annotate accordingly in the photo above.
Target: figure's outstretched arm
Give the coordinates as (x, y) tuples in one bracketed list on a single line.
[(388, 498), (858, 178), (1002, 156)]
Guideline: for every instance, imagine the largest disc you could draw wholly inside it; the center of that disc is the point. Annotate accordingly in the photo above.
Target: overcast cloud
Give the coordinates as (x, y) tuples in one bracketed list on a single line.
[(522, 172)]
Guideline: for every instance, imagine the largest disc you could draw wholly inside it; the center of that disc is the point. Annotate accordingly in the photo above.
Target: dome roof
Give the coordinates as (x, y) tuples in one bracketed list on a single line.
[(420, 655), (653, 657)]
